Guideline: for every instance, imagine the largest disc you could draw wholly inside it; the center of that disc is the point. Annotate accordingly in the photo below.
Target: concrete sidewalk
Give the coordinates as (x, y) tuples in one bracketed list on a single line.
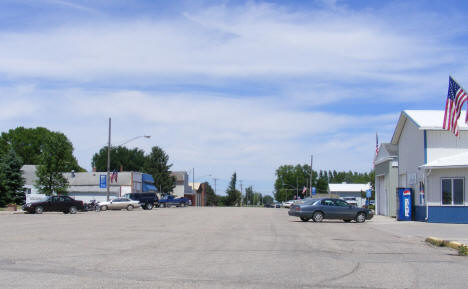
[(421, 230)]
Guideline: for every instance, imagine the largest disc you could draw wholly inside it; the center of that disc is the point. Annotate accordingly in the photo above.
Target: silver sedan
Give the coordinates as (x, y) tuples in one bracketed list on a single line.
[(118, 204)]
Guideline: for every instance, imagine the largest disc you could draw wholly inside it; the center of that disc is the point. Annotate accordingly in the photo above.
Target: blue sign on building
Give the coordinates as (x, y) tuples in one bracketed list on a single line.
[(314, 190), (103, 181)]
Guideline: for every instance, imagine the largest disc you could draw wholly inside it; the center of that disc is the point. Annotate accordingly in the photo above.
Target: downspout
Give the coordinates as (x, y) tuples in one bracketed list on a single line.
[(425, 193), (425, 176)]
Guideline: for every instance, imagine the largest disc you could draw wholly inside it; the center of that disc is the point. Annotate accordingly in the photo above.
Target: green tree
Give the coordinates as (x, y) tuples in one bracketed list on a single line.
[(56, 158), (290, 180), (248, 198), (28, 144), (233, 196), (211, 199), (156, 164), (11, 179), (267, 200), (120, 157)]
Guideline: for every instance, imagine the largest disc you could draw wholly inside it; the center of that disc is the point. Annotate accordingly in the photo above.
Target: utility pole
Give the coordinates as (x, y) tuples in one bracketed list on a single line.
[(215, 179), (240, 181), (310, 185), (297, 189), (193, 185), (108, 161)]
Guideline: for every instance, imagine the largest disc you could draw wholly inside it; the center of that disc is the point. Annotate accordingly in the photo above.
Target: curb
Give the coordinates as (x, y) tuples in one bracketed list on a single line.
[(444, 243)]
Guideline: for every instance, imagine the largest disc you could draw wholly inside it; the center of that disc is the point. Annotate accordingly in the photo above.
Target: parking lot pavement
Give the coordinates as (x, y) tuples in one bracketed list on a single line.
[(422, 230), (215, 248)]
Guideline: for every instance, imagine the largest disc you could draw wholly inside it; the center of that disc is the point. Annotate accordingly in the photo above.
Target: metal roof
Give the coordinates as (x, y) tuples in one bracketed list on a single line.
[(455, 161), (348, 187), (424, 120)]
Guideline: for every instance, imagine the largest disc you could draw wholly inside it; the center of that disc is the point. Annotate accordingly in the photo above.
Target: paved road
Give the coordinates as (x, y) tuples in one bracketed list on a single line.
[(215, 248)]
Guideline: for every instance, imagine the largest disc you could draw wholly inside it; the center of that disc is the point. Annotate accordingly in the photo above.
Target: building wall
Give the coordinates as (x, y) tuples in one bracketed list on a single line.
[(410, 156), (442, 144), (433, 184)]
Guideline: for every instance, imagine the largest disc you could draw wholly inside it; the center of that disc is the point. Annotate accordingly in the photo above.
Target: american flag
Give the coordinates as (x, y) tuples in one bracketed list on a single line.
[(456, 97), (376, 144), (376, 147)]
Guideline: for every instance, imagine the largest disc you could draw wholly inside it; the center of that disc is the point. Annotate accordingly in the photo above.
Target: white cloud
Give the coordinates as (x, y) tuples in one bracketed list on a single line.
[(253, 40)]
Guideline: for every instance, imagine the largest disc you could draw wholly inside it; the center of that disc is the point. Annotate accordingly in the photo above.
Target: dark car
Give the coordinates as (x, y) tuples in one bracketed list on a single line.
[(63, 204), (147, 200), (329, 208)]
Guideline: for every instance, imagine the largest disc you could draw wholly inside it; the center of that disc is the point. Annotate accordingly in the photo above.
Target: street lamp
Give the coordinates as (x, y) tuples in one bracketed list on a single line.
[(134, 138), (108, 155)]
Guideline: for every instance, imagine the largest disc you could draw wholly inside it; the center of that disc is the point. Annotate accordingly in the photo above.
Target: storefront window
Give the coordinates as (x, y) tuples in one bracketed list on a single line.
[(453, 191)]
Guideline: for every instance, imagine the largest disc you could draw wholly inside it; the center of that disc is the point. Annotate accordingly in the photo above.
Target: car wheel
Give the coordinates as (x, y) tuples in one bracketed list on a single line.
[(73, 210), (149, 206), (129, 207), (347, 221), (39, 210), (104, 208), (304, 219), (361, 217), (318, 217)]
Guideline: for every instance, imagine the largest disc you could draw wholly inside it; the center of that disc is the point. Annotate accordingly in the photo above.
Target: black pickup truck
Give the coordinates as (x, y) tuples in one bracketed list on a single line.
[(147, 200), (63, 204)]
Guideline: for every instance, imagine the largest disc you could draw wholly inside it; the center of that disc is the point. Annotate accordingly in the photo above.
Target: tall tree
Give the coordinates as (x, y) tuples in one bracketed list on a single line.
[(291, 180), (211, 199), (267, 199), (249, 194), (56, 158), (120, 157), (233, 196), (28, 143), (156, 164), (11, 179)]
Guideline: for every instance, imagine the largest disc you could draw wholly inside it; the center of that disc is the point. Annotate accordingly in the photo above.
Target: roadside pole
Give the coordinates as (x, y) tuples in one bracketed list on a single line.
[(310, 184), (108, 161)]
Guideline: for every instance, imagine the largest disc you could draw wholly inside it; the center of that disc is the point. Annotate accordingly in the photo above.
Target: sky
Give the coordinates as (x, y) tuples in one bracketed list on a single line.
[(229, 86)]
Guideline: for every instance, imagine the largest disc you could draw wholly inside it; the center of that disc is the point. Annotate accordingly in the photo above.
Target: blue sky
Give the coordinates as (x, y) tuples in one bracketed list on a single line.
[(241, 86)]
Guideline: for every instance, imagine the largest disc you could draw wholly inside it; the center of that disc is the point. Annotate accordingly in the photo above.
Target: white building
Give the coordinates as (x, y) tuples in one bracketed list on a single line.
[(352, 193), (386, 179), (434, 164)]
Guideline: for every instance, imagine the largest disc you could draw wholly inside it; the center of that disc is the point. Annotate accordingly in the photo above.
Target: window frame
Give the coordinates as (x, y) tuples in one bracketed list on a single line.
[(452, 184)]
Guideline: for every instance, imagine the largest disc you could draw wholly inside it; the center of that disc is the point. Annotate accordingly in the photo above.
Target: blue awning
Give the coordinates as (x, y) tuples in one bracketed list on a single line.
[(147, 178), (148, 188)]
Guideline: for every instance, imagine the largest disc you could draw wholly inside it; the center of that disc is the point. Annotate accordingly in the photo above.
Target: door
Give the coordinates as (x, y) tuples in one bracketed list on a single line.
[(330, 209), (382, 205), (343, 210)]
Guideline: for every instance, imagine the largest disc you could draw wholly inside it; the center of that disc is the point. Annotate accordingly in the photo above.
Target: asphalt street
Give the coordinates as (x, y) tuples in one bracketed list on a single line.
[(215, 248)]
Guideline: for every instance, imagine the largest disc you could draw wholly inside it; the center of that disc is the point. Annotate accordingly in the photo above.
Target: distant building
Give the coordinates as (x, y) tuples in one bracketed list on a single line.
[(87, 186), (183, 187), (352, 193), (386, 179)]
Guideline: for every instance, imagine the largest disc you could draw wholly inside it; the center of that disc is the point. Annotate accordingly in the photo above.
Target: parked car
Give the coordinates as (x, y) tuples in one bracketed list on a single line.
[(288, 204), (63, 204), (118, 204), (146, 200), (329, 208), (169, 200)]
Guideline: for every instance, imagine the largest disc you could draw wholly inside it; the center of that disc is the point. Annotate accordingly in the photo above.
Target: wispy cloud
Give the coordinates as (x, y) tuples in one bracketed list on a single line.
[(244, 87)]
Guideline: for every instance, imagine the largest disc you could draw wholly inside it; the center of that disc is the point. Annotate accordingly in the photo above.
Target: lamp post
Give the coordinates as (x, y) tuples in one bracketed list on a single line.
[(108, 155)]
